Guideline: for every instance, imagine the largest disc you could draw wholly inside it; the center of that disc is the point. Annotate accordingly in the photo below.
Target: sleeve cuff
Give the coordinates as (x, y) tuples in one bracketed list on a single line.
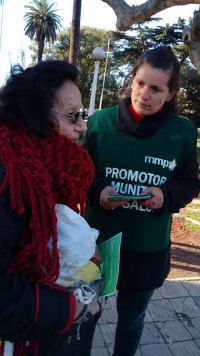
[(166, 208), (72, 309), (54, 311)]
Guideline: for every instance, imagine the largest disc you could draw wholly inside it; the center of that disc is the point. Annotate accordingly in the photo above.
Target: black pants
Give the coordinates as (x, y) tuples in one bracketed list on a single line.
[(131, 309), (76, 342)]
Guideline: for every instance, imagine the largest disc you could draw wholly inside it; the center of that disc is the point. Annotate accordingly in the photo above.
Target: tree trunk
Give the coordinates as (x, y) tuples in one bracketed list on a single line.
[(40, 49), (194, 48), (195, 34), (75, 32), (128, 15)]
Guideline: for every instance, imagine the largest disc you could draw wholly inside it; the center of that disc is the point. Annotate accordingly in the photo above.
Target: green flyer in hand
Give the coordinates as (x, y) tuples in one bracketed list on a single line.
[(110, 253)]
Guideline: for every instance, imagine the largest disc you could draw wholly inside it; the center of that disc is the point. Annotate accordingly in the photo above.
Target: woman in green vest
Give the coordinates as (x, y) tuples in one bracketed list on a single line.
[(139, 147)]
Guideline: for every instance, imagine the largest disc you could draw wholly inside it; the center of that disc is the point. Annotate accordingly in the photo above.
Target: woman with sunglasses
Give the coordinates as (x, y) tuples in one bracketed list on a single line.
[(41, 165)]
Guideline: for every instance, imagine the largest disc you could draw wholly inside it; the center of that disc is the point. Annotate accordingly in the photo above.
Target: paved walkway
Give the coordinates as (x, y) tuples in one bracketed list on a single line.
[(172, 324)]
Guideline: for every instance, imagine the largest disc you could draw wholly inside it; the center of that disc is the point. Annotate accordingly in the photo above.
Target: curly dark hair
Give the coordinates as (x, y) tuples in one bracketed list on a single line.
[(161, 57), (28, 95)]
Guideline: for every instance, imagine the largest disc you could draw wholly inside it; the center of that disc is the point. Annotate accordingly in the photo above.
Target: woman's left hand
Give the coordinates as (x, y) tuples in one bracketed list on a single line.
[(157, 200)]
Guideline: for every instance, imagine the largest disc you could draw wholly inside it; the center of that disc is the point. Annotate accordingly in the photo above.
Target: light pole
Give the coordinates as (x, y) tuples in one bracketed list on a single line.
[(98, 54), (104, 76)]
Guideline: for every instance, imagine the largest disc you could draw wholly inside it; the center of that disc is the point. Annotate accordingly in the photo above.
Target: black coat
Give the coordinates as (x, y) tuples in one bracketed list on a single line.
[(20, 301)]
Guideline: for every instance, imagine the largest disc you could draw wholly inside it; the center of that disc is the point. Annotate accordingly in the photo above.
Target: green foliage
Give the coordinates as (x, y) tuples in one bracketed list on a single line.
[(124, 49), (143, 37), (89, 39), (189, 95)]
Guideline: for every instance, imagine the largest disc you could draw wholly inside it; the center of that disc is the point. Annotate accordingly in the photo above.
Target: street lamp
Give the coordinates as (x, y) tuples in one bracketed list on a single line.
[(98, 54), (104, 76)]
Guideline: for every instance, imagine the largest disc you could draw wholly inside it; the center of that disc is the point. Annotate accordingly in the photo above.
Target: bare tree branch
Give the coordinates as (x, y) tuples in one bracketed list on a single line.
[(127, 15)]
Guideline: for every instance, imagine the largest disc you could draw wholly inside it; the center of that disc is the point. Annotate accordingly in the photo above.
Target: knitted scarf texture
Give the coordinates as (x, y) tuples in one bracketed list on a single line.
[(40, 173)]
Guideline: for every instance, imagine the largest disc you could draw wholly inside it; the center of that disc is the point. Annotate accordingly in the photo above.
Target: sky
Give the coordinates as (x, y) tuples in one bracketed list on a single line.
[(94, 13)]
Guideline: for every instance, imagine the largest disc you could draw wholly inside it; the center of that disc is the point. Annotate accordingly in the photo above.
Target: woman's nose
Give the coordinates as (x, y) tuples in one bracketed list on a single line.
[(81, 125), (144, 93)]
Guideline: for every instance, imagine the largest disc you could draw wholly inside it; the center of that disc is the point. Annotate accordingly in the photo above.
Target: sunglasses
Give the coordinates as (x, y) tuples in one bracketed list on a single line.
[(74, 117)]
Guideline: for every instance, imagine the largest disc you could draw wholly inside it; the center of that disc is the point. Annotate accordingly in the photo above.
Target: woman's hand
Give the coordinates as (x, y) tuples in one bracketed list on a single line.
[(108, 204), (157, 200)]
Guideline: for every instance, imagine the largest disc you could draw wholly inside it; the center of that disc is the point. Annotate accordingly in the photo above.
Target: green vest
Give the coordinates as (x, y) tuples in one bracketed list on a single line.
[(131, 164)]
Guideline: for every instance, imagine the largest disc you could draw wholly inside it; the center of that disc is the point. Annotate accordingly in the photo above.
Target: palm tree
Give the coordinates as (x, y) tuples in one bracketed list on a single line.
[(75, 31), (41, 23)]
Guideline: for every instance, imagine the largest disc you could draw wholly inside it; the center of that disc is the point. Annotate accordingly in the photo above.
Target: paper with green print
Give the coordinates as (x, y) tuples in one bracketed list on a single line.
[(110, 253)]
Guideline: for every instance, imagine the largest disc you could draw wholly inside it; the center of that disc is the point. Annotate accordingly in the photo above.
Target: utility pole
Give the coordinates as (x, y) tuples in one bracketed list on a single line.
[(23, 58)]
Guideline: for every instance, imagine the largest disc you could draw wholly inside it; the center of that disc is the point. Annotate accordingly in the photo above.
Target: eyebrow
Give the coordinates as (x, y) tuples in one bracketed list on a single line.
[(151, 86), (72, 108)]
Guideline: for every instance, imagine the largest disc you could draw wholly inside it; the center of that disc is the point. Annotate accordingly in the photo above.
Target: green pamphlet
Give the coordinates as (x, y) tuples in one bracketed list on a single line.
[(117, 197), (110, 253)]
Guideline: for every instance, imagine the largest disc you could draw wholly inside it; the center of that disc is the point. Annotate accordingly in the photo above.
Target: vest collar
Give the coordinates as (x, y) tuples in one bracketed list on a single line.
[(147, 127)]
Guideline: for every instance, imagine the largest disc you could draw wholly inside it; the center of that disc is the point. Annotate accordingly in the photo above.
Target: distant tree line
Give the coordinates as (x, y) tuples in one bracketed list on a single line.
[(125, 49)]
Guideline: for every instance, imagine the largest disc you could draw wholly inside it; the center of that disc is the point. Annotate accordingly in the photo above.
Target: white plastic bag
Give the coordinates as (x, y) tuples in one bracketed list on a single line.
[(76, 246)]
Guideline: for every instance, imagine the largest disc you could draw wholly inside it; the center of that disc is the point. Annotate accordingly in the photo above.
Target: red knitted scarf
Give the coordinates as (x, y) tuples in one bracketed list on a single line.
[(40, 174)]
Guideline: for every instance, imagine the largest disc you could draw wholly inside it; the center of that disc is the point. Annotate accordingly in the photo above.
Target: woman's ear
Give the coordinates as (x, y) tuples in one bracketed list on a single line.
[(170, 95)]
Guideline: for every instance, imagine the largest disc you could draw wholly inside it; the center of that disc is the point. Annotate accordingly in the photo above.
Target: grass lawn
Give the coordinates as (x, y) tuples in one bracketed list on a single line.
[(192, 211), (192, 226)]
